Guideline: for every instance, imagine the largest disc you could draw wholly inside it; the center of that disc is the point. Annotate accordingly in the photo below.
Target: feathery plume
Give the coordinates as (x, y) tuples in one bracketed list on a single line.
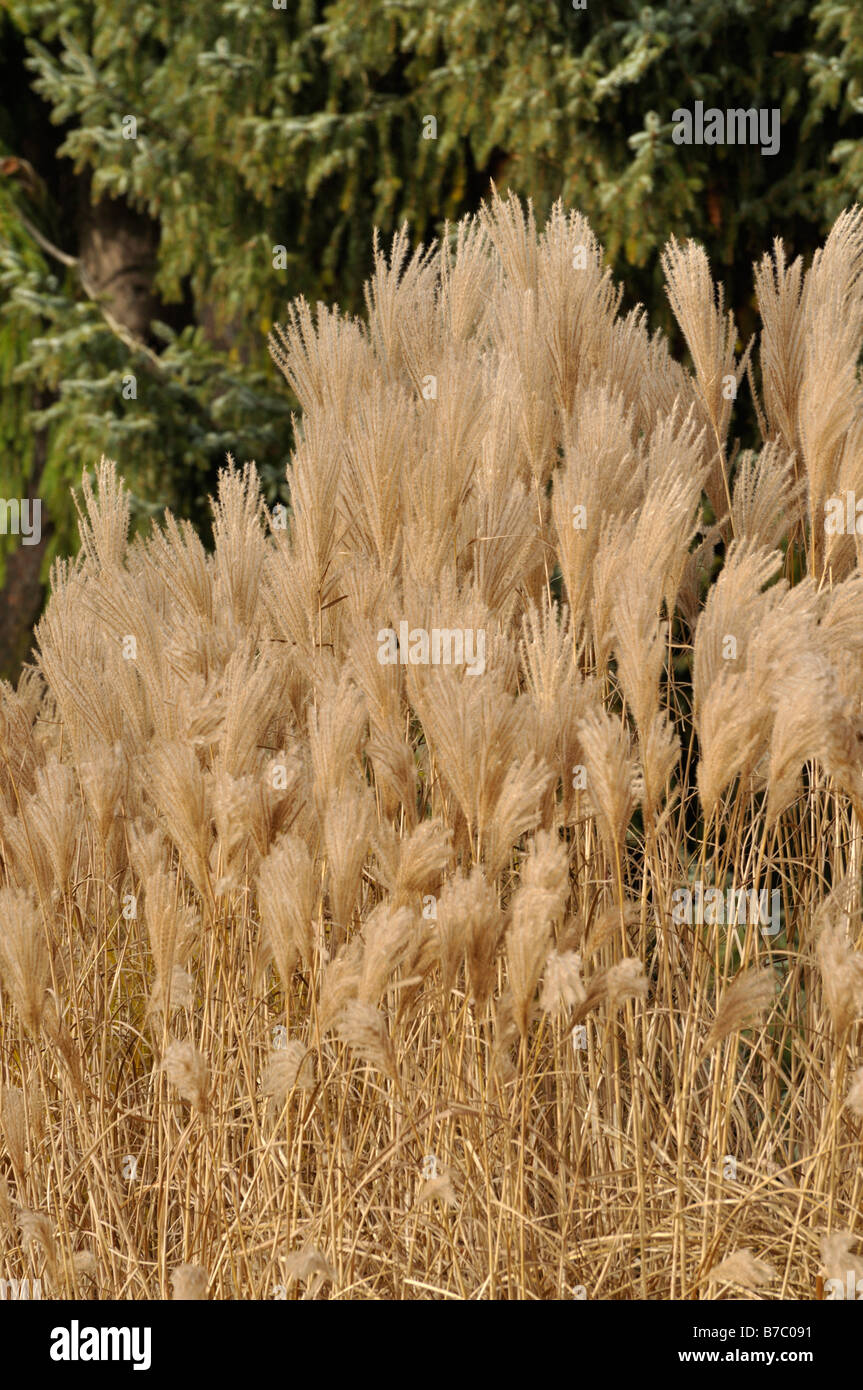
[(288, 1066), (309, 1265), (562, 985), (744, 1268), (841, 976), (187, 1069), (610, 774), (287, 895), (363, 1028), (25, 963), (837, 1257), (854, 1098), (748, 996), (189, 1282)]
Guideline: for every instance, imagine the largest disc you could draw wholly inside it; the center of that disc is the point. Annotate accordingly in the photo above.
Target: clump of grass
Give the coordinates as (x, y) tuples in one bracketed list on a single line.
[(326, 976)]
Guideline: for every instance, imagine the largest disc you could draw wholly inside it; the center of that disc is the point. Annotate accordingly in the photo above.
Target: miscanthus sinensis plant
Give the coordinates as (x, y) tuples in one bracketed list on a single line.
[(335, 964)]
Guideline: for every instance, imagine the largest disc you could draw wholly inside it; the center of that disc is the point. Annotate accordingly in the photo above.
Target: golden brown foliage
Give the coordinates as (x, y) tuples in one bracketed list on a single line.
[(350, 977)]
